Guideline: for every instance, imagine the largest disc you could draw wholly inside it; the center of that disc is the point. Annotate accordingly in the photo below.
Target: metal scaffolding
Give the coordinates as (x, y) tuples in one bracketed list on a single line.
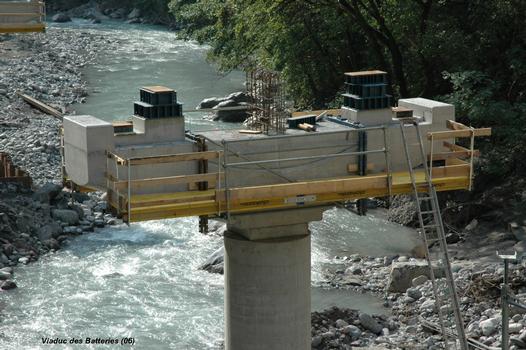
[(268, 99)]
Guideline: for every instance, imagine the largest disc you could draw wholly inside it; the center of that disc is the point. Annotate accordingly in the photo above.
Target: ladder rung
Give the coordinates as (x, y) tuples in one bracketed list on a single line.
[(430, 226), (425, 198), (428, 212)]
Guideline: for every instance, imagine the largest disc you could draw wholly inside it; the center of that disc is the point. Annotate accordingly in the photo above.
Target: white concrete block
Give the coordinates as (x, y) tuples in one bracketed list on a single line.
[(86, 139)]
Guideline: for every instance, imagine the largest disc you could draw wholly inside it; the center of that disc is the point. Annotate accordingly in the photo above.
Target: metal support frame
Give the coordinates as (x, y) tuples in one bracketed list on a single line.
[(507, 298), (388, 165), (227, 187)]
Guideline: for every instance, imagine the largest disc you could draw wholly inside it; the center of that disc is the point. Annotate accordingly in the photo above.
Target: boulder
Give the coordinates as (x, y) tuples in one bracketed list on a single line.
[(369, 323), (52, 244), (119, 13), (61, 18), (489, 326), (353, 331), (4, 275), (419, 280), (52, 230), (414, 293), (71, 217), (235, 97), (7, 285), (210, 102), (403, 273), (239, 97), (215, 263), (341, 323), (47, 193), (519, 343), (316, 341), (232, 116), (134, 14)]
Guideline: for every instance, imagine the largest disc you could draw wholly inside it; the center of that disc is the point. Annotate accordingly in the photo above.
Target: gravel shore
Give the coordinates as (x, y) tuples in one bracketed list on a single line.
[(39, 220)]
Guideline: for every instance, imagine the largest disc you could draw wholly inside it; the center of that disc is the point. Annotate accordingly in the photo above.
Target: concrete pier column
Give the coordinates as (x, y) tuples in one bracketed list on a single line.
[(267, 280)]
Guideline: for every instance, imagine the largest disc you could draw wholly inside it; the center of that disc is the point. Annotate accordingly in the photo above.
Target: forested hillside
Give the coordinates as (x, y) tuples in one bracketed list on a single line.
[(469, 52)]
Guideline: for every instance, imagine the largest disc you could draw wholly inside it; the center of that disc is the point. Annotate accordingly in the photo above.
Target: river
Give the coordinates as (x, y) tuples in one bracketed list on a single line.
[(142, 281)]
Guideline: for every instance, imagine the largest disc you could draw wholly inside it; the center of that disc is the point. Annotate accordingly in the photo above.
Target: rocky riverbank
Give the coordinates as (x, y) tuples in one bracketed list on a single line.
[(47, 67), (404, 284), (40, 220)]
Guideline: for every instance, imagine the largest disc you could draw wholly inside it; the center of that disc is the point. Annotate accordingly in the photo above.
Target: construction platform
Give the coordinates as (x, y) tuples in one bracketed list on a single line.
[(229, 187), (22, 16), (152, 168)]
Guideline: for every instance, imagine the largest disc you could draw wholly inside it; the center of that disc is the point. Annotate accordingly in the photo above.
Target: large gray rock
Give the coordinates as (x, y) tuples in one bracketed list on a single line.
[(232, 116), (134, 14), (489, 326), (47, 193), (61, 18), (4, 275), (369, 323), (49, 231), (236, 98), (215, 263), (353, 331), (119, 13), (403, 273), (7, 285), (210, 102), (414, 293), (71, 217)]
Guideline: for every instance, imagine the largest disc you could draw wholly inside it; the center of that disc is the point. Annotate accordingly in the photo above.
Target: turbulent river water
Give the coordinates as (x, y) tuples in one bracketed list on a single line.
[(142, 281)]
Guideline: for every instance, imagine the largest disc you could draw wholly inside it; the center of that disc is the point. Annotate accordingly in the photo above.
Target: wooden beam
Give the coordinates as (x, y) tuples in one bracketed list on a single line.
[(453, 125), (252, 132), (451, 171), (318, 113), (41, 106), (349, 184), (444, 135), (457, 148), (181, 157), (171, 180), (447, 155), (22, 28)]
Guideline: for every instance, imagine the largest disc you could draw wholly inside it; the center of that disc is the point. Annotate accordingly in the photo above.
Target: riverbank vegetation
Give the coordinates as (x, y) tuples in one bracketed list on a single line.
[(469, 53)]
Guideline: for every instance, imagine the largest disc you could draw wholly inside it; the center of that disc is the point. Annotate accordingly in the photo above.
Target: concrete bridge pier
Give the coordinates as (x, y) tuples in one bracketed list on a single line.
[(267, 280)]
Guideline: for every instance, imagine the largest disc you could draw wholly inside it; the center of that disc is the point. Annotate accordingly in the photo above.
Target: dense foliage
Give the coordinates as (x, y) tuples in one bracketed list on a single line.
[(470, 52)]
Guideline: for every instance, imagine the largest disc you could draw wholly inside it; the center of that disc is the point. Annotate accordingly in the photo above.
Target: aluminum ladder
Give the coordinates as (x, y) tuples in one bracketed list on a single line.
[(432, 231)]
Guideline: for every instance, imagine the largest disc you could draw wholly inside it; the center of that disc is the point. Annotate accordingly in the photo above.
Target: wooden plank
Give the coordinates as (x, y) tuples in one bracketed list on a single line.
[(245, 131), (456, 161), (336, 111), (141, 201), (453, 125), (447, 155), (458, 148), (41, 106), (444, 135), (21, 14), (171, 180), (181, 157), (348, 184), (451, 171), (22, 28), (271, 202)]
